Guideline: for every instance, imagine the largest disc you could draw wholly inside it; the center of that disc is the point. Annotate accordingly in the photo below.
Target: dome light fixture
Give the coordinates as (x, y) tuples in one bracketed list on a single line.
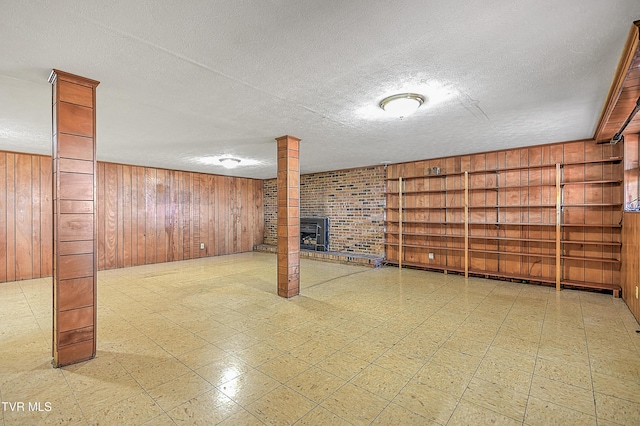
[(229, 162), (403, 104)]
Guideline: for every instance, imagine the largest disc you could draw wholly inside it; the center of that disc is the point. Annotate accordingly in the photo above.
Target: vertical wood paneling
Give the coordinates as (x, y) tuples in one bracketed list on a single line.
[(185, 184), (229, 216), (100, 183), (150, 209), (11, 216), (4, 241), (120, 217), (111, 216), (142, 217), (631, 261), (203, 214), (195, 216), (160, 234), (127, 217), (23, 235), (46, 217), (36, 215)]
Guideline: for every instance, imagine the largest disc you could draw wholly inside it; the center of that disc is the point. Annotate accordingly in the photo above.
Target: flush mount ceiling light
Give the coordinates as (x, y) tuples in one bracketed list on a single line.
[(229, 162), (403, 104)]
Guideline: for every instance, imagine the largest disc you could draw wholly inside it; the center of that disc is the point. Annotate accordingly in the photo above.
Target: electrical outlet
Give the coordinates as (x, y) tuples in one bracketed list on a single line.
[(201, 246), (636, 292), (431, 256)]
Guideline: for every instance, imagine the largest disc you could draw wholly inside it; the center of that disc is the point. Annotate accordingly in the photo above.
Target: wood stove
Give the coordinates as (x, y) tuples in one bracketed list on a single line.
[(314, 233)]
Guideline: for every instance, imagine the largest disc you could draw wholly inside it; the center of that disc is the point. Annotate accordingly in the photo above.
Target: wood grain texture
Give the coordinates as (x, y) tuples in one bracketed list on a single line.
[(624, 91), (75, 147), (157, 207), (73, 227), (75, 352), (75, 94), (75, 120), (25, 216), (631, 261), (512, 206)]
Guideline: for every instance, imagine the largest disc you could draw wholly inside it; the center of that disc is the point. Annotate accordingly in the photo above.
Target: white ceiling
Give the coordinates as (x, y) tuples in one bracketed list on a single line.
[(186, 80)]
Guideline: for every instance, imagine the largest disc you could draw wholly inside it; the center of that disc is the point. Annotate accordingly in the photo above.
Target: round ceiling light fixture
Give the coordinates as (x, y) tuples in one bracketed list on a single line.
[(229, 162), (403, 104)]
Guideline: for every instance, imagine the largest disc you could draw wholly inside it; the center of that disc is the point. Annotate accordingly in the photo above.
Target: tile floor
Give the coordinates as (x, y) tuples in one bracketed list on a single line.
[(208, 341)]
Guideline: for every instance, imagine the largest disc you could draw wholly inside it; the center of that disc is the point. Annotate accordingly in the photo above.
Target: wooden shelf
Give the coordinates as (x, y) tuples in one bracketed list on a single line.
[(521, 245), (590, 225), (424, 191), (512, 253), (488, 237), (421, 246), (421, 234), (427, 266), (512, 276), (413, 222), (598, 243), (593, 205), (591, 182), (514, 168), (515, 206), (604, 160), (598, 286), (441, 175), (428, 208), (512, 224), (497, 188), (590, 259)]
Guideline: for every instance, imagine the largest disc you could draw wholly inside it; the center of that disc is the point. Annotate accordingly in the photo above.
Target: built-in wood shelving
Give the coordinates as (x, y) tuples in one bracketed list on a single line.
[(511, 215)]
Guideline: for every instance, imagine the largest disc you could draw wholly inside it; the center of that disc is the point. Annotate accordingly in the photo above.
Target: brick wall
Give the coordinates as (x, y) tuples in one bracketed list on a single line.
[(353, 200)]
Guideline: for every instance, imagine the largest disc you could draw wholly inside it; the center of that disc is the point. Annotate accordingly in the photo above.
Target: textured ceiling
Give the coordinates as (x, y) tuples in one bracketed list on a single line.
[(186, 82)]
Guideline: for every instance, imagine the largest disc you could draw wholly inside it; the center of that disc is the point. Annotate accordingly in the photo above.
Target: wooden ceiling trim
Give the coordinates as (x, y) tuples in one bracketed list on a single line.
[(626, 73)]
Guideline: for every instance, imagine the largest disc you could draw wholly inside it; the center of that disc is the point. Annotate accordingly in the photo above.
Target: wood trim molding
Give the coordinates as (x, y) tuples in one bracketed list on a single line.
[(628, 53)]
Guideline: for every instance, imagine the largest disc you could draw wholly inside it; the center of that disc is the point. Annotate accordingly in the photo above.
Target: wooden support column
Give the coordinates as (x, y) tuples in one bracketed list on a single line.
[(288, 216), (558, 229), (400, 230), (466, 224), (74, 224)]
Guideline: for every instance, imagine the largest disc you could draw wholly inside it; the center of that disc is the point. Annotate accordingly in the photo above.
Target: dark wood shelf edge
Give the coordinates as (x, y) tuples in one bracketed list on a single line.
[(616, 289)]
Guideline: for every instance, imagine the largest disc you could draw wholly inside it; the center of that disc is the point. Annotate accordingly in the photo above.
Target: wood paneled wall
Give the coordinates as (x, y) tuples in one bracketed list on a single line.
[(512, 213), (145, 215), (26, 217), (631, 261), (148, 215)]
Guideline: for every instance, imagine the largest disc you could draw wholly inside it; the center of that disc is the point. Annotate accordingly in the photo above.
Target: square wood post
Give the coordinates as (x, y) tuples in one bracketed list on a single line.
[(74, 224), (288, 216)]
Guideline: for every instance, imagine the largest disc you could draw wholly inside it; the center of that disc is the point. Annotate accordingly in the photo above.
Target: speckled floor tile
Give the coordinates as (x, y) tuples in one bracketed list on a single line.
[(617, 410), (209, 341), (496, 398), (281, 406), (563, 394), (284, 367), (394, 414), (380, 381), (209, 408), (179, 390), (354, 404), (316, 384), (426, 401), (467, 413), (321, 416), (541, 412), (248, 387)]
